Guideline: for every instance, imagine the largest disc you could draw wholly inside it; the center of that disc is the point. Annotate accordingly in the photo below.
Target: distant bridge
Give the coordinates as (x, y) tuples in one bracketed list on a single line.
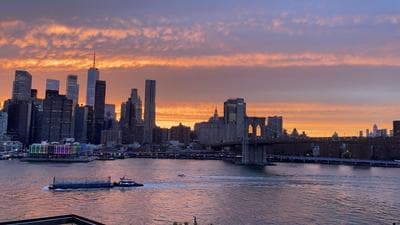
[(335, 161), (254, 149)]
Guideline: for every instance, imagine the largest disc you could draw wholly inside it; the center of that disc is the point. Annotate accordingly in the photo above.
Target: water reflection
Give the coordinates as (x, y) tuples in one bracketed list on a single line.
[(214, 191)]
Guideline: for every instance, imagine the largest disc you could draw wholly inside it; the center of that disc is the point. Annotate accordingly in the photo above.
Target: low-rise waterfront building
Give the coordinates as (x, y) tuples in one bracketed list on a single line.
[(180, 133)]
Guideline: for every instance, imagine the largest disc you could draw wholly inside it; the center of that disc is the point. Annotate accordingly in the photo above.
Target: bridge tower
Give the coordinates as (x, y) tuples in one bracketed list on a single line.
[(253, 153)]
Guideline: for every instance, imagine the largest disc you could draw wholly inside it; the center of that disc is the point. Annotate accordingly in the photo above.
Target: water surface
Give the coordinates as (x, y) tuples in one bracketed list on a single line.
[(213, 191)]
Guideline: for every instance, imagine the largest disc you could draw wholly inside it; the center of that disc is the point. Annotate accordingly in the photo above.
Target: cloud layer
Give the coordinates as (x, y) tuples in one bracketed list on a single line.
[(319, 58)]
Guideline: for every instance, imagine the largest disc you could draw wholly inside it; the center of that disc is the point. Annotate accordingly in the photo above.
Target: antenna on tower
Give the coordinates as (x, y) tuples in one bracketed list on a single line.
[(94, 58)]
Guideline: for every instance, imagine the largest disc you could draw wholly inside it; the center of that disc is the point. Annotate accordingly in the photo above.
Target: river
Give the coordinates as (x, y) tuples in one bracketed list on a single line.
[(214, 191)]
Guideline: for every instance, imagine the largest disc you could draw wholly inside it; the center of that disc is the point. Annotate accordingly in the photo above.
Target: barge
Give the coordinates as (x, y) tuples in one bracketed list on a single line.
[(90, 184)]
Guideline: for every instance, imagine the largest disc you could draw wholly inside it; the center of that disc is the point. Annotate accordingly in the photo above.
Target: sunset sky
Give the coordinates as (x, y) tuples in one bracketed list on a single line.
[(324, 66)]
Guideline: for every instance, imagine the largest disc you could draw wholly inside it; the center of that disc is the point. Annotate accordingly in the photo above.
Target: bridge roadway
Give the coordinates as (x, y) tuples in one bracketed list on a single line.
[(262, 141), (335, 161)]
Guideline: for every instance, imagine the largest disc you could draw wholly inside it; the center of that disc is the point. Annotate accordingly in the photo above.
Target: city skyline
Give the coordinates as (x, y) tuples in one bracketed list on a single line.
[(323, 66), (152, 122)]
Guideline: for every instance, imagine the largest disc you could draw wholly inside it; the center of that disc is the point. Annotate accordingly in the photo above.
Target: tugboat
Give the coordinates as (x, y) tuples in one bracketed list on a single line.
[(126, 182)]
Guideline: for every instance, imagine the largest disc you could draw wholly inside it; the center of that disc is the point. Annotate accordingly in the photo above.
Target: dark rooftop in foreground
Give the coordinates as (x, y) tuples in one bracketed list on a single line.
[(56, 220)]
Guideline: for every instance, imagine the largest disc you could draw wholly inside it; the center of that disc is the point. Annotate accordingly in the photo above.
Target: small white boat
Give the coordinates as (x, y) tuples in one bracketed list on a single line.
[(126, 182)]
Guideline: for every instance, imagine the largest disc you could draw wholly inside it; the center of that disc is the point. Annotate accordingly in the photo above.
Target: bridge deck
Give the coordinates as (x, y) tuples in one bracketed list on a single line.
[(327, 160)]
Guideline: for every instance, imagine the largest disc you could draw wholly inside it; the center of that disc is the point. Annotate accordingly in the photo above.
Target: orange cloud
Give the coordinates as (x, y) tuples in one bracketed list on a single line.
[(268, 60)]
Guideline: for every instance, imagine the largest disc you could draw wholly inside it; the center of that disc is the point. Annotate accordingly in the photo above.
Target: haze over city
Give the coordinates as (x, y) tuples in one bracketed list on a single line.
[(324, 66)]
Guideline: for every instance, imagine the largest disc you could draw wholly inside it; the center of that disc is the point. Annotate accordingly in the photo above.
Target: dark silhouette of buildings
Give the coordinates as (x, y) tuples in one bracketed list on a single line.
[(19, 120), (396, 128), (57, 117), (53, 85), (235, 117), (72, 88), (131, 123), (19, 108), (22, 85), (160, 135), (135, 99), (83, 130), (274, 129), (36, 118), (99, 106), (180, 133), (149, 110), (110, 120)]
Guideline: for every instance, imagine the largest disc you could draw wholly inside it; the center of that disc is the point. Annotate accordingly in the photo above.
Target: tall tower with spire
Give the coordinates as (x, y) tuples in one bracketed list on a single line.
[(93, 76)]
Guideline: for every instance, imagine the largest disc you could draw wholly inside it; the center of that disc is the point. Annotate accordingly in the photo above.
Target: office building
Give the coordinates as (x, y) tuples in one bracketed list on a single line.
[(99, 106), (131, 123), (149, 110), (72, 93), (3, 123), (110, 117), (111, 137), (382, 133), (19, 120), (52, 85), (36, 118), (396, 128), (72, 88), (160, 135), (235, 116), (180, 133), (22, 85), (274, 128), (57, 117), (211, 131), (83, 130), (92, 77), (109, 111), (136, 100)]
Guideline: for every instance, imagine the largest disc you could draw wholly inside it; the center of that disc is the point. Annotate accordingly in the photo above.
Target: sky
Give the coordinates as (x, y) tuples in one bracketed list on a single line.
[(323, 65)]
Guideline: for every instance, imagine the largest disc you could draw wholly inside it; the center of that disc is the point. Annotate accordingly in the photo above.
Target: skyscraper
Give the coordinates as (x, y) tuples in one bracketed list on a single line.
[(57, 117), (275, 126), (149, 110), (19, 120), (22, 85), (36, 118), (93, 76), (131, 122), (396, 128), (110, 118), (135, 99), (235, 113), (99, 106), (109, 112), (83, 124), (72, 88), (52, 85)]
